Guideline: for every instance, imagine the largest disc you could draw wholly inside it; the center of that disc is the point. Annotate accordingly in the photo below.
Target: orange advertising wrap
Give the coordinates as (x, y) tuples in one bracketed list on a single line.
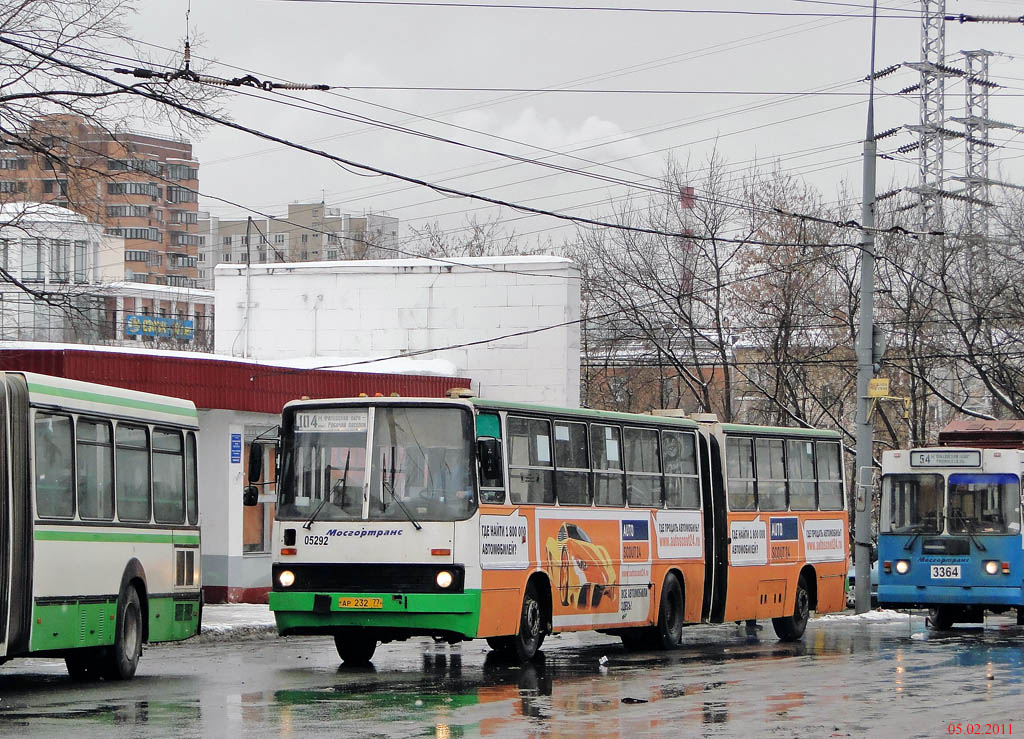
[(605, 566)]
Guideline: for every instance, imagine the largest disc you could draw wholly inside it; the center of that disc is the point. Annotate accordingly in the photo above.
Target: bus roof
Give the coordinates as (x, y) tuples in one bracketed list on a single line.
[(743, 428), (500, 405), (87, 397)]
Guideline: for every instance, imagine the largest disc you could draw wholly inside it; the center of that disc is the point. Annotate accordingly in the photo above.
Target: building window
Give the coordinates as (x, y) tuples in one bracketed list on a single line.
[(305, 238), (181, 195), (31, 259), (128, 211), (182, 172), (278, 238), (133, 188), (227, 257), (81, 261), (8, 186)]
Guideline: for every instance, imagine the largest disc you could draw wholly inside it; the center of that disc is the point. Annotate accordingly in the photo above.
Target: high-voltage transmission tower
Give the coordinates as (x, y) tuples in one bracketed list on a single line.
[(931, 130)]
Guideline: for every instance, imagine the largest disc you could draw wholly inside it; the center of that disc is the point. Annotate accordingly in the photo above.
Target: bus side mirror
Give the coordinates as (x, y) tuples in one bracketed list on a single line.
[(250, 495), (490, 458), (255, 462)]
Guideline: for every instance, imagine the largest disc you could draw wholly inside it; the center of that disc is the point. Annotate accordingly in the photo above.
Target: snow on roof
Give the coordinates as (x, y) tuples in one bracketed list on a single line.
[(372, 365), (32, 212), (522, 262)]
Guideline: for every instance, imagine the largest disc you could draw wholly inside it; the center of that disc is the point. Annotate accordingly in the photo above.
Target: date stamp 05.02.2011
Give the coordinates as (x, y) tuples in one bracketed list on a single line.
[(962, 728)]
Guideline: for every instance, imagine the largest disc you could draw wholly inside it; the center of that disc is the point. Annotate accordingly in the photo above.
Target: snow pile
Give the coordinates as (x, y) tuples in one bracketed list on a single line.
[(880, 615), (236, 621)]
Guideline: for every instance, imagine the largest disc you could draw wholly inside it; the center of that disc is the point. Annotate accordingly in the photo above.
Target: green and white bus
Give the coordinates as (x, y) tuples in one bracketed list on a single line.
[(99, 523)]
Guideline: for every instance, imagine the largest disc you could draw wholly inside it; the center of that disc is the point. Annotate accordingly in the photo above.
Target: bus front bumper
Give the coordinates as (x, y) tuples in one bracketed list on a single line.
[(393, 615), (912, 596)]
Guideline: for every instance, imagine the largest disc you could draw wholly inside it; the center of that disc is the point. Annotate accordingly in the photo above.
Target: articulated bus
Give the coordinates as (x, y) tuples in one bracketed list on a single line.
[(470, 518), (99, 523), (950, 532)]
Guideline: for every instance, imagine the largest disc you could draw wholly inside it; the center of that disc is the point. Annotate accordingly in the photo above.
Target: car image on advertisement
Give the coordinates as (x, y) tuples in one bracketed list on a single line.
[(582, 569)]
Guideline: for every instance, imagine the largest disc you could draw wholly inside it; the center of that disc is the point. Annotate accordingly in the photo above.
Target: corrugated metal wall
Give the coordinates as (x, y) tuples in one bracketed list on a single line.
[(212, 383)]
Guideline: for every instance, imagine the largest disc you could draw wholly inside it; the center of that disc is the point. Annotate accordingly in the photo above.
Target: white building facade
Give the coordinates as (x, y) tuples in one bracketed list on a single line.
[(509, 323)]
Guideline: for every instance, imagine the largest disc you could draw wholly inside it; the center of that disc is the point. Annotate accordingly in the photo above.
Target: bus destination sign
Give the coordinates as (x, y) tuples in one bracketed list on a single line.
[(953, 458), (319, 422)]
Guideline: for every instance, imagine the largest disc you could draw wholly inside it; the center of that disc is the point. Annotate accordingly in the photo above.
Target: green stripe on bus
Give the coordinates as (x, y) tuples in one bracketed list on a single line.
[(85, 395), (44, 535)]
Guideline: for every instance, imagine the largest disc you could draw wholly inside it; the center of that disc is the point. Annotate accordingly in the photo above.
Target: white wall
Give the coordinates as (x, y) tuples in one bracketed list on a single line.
[(366, 309)]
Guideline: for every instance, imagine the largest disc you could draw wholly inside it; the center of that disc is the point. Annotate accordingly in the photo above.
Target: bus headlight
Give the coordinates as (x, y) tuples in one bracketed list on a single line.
[(444, 579), (991, 567), (286, 578), (902, 566)]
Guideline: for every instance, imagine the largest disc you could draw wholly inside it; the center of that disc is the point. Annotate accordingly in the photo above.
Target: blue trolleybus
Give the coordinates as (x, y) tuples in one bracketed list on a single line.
[(950, 530)]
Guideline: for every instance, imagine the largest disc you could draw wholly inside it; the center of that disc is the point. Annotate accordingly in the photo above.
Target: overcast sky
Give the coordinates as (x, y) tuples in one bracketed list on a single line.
[(781, 58)]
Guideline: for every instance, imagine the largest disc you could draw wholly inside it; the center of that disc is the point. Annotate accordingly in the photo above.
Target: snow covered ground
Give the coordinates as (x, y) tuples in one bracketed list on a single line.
[(236, 621)]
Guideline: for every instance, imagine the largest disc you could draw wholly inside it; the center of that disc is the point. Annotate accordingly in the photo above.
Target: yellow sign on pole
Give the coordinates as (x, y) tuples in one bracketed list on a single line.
[(878, 387)]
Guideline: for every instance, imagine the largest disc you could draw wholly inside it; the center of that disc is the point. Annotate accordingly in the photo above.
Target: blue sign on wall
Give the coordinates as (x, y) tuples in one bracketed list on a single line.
[(783, 529), (236, 448), (167, 328)]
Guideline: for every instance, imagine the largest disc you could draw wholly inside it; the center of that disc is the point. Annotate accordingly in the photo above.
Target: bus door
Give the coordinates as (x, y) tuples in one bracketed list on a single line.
[(716, 525), (15, 516)]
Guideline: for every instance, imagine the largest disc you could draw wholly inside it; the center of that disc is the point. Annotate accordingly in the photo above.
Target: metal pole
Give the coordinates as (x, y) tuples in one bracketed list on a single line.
[(248, 283), (865, 368)]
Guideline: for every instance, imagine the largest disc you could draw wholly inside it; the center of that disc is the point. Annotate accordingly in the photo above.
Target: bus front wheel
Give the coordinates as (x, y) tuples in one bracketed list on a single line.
[(941, 618), (791, 628), (355, 647), (122, 659), (531, 625)]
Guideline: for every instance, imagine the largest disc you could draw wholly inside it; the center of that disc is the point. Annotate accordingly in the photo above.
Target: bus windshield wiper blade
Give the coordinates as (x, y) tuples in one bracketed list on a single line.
[(967, 530), (910, 543), (323, 501), (390, 488)]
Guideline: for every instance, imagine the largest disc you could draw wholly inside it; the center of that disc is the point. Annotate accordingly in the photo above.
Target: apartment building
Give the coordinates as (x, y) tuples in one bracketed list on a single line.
[(139, 186), (310, 232)]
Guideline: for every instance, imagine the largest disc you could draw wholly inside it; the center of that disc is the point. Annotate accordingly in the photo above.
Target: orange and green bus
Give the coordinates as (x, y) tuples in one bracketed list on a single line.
[(472, 518)]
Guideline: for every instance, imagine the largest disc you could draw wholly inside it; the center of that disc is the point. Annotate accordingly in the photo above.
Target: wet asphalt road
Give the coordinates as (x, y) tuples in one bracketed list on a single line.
[(844, 679)]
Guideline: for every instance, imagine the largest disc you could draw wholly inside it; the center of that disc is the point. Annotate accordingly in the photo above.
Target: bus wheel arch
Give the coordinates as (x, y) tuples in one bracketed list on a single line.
[(135, 577), (810, 578)]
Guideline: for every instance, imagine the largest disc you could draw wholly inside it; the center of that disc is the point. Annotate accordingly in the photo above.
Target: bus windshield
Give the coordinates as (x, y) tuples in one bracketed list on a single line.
[(914, 504), (419, 465), (984, 503)]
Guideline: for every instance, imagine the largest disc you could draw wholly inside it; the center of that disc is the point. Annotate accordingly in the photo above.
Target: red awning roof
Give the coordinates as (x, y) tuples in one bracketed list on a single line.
[(213, 383)]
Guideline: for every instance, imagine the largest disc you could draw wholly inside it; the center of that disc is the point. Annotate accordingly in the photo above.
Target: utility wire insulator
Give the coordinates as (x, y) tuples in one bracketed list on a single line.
[(882, 73), (887, 133), (967, 18)]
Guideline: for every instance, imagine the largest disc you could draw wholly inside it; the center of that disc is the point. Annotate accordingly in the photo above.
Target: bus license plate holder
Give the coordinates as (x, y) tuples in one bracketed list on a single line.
[(945, 572), (360, 603)]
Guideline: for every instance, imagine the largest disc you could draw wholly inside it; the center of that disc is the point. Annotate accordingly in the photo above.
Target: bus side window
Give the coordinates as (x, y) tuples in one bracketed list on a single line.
[(643, 467), (95, 444), (55, 493), (830, 477), (572, 467), (740, 473), (191, 479), (492, 489), (679, 456), (606, 457), (800, 468), (131, 472), (771, 474), (168, 477), (530, 467)]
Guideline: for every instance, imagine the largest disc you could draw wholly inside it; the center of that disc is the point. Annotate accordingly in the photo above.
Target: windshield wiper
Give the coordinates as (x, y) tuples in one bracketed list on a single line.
[(967, 530), (390, 488), (323, 501)]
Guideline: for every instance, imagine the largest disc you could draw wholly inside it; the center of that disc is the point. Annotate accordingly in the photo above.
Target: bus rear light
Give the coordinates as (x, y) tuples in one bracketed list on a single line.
[(887, 567), (991, 567), (1006, 568), (289, 551), (902, 566), (441, 552)]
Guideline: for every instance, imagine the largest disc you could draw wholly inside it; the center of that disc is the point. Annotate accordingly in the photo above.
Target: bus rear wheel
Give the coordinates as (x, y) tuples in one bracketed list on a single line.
[(120, 660), (355, 647), (791, 628)]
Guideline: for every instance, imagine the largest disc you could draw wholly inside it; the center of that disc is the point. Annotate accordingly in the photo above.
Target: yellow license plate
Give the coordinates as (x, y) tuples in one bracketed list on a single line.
[(360, 602)]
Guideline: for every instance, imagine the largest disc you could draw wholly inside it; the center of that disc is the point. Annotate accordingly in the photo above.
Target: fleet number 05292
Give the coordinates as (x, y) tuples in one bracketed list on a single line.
[(316, 541)]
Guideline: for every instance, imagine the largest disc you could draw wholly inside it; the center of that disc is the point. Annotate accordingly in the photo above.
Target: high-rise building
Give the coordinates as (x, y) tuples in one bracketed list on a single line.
[(311, 232), (139, 186)]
